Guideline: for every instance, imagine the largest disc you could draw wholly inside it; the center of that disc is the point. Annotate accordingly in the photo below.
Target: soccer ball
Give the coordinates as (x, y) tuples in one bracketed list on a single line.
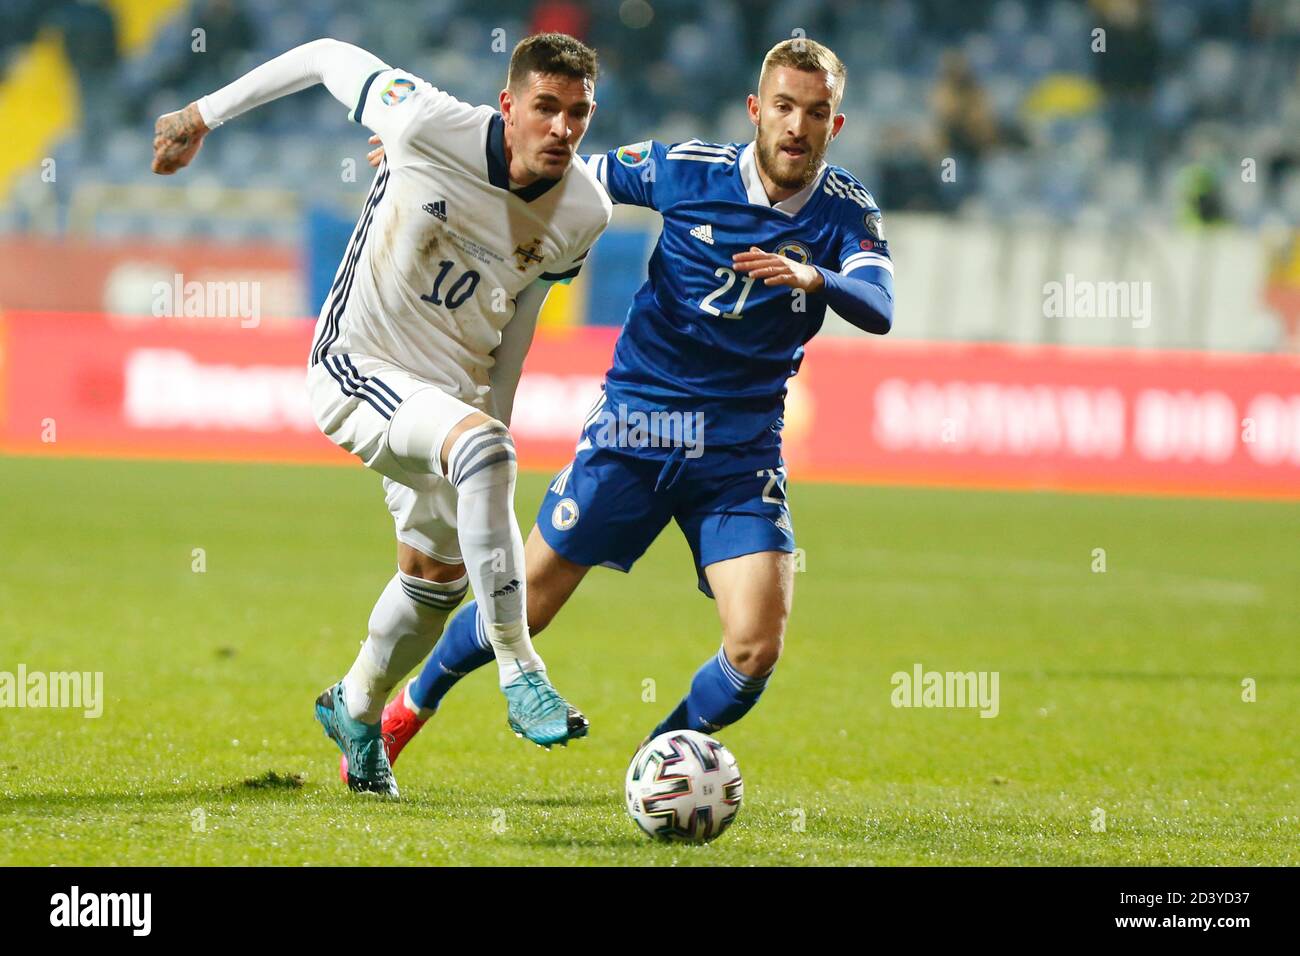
[(683, 786)]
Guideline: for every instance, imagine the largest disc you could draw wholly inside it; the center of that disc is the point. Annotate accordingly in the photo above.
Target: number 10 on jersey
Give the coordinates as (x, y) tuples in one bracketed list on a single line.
[(460, 290)]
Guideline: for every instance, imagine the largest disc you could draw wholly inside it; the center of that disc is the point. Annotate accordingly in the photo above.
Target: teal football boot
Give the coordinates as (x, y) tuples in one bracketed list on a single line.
[(368, 769), (538, 712)]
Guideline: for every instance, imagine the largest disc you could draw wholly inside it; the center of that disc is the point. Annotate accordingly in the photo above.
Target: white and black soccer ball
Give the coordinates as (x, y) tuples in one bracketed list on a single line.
[(683, 786)]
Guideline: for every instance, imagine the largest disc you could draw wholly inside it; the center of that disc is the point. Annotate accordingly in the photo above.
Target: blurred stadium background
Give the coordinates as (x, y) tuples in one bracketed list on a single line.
[(1098, 289), (1012, 150)]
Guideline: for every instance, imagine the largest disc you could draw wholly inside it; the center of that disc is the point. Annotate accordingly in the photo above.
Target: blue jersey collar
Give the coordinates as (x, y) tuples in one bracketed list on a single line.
[(497, 168), (758, 195)]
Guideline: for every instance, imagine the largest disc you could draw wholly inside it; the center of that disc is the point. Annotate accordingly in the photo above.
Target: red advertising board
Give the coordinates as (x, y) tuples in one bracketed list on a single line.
[(98, 275), (1049, 417), (860, 410)]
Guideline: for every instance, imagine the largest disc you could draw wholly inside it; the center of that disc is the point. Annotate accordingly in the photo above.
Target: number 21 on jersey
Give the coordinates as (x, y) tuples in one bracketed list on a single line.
[(734, 313)]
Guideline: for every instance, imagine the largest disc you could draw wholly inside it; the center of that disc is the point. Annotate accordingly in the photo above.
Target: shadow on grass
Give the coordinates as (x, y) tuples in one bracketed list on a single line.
[(629, 842), (1234, 679), (268, 786), (570, 800)]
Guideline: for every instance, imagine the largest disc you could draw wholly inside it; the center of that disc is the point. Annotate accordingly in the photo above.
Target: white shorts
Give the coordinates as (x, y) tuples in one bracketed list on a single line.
[(353, 398)]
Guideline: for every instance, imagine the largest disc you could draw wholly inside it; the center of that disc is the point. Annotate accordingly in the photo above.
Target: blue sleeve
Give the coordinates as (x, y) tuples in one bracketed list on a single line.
[(862, 244), (862, 290), (629, 173), (866, 302)]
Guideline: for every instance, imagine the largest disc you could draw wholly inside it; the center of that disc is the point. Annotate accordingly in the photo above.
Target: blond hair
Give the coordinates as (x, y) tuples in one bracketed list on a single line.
[(801, 53)]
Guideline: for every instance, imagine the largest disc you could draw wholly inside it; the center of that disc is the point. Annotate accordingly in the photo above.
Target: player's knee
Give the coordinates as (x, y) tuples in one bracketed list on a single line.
[(419, 565), (484, 455), (538, 617), (755, 648)]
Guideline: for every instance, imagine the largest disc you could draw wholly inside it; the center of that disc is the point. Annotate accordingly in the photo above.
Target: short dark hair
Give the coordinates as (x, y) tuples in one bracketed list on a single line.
[(551, 54)]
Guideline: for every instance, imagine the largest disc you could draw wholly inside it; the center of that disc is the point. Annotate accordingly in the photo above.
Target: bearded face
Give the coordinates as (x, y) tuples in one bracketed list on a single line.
[(789, 161), (794, 113)]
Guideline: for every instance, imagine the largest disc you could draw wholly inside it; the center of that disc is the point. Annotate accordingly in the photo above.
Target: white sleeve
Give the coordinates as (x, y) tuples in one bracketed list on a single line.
[(346, 71), (516, 339), (565, 271)]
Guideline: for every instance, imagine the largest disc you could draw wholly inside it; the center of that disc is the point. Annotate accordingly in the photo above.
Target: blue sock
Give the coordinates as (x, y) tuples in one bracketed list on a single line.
[(719, 695), (462, 648)]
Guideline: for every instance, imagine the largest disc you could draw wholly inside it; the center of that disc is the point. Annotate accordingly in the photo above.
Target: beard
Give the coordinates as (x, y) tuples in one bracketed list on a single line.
[(784, 171)]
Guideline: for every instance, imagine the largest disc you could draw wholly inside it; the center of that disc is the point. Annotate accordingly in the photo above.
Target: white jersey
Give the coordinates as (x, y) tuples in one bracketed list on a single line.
[(444, 246)]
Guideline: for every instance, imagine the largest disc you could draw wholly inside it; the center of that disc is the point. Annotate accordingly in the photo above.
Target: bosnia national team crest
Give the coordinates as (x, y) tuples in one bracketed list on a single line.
[(633, 155), (565, 515), (397, 90), (796, 251)]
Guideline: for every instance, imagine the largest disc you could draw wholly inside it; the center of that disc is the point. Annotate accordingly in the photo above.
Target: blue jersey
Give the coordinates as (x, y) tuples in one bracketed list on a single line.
[(701, 337)]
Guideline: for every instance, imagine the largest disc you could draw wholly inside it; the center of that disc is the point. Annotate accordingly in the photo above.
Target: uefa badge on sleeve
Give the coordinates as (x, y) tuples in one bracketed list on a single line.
[(633, 155), (396, 91)]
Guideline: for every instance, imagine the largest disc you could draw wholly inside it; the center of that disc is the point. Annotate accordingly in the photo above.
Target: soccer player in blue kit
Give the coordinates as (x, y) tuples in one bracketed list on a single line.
[(758, 239)]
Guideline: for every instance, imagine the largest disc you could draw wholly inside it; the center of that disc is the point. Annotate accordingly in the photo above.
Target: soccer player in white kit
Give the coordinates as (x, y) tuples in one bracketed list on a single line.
[(470, 217)]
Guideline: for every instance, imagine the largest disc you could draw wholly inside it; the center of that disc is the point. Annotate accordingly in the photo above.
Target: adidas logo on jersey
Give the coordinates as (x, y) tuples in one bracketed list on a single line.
[(703, 233), (436, 209)]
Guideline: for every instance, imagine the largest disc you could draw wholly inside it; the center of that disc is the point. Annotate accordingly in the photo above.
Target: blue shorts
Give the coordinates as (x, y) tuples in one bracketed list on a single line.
[(609, 504)]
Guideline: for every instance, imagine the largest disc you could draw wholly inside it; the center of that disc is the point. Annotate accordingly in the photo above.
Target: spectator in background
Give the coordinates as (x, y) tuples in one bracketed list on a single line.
[(90, 40), (1127, 73), (966, 126), (561, 16), (22, 19), (951, 20), (1201, 191), (909, 171), (228, 34), (755, 31), (1283, 294)]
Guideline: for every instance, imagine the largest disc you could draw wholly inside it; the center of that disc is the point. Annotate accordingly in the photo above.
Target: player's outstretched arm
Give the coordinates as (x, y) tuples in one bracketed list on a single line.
[(342, 67)]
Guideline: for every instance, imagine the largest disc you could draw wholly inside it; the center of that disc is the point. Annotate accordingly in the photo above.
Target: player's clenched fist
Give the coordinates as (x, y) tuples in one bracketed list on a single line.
[(177, 138)]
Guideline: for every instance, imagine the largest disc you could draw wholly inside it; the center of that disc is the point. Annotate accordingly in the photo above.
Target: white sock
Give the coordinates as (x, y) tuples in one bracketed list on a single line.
[(482, 466), (423, 713), (405, 624)]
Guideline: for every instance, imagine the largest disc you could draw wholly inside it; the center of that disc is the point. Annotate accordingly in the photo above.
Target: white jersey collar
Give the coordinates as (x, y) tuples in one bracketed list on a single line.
[(758, 195)]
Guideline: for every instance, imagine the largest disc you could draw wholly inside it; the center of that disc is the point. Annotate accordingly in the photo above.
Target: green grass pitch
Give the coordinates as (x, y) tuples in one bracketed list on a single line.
[(1120, 690)]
